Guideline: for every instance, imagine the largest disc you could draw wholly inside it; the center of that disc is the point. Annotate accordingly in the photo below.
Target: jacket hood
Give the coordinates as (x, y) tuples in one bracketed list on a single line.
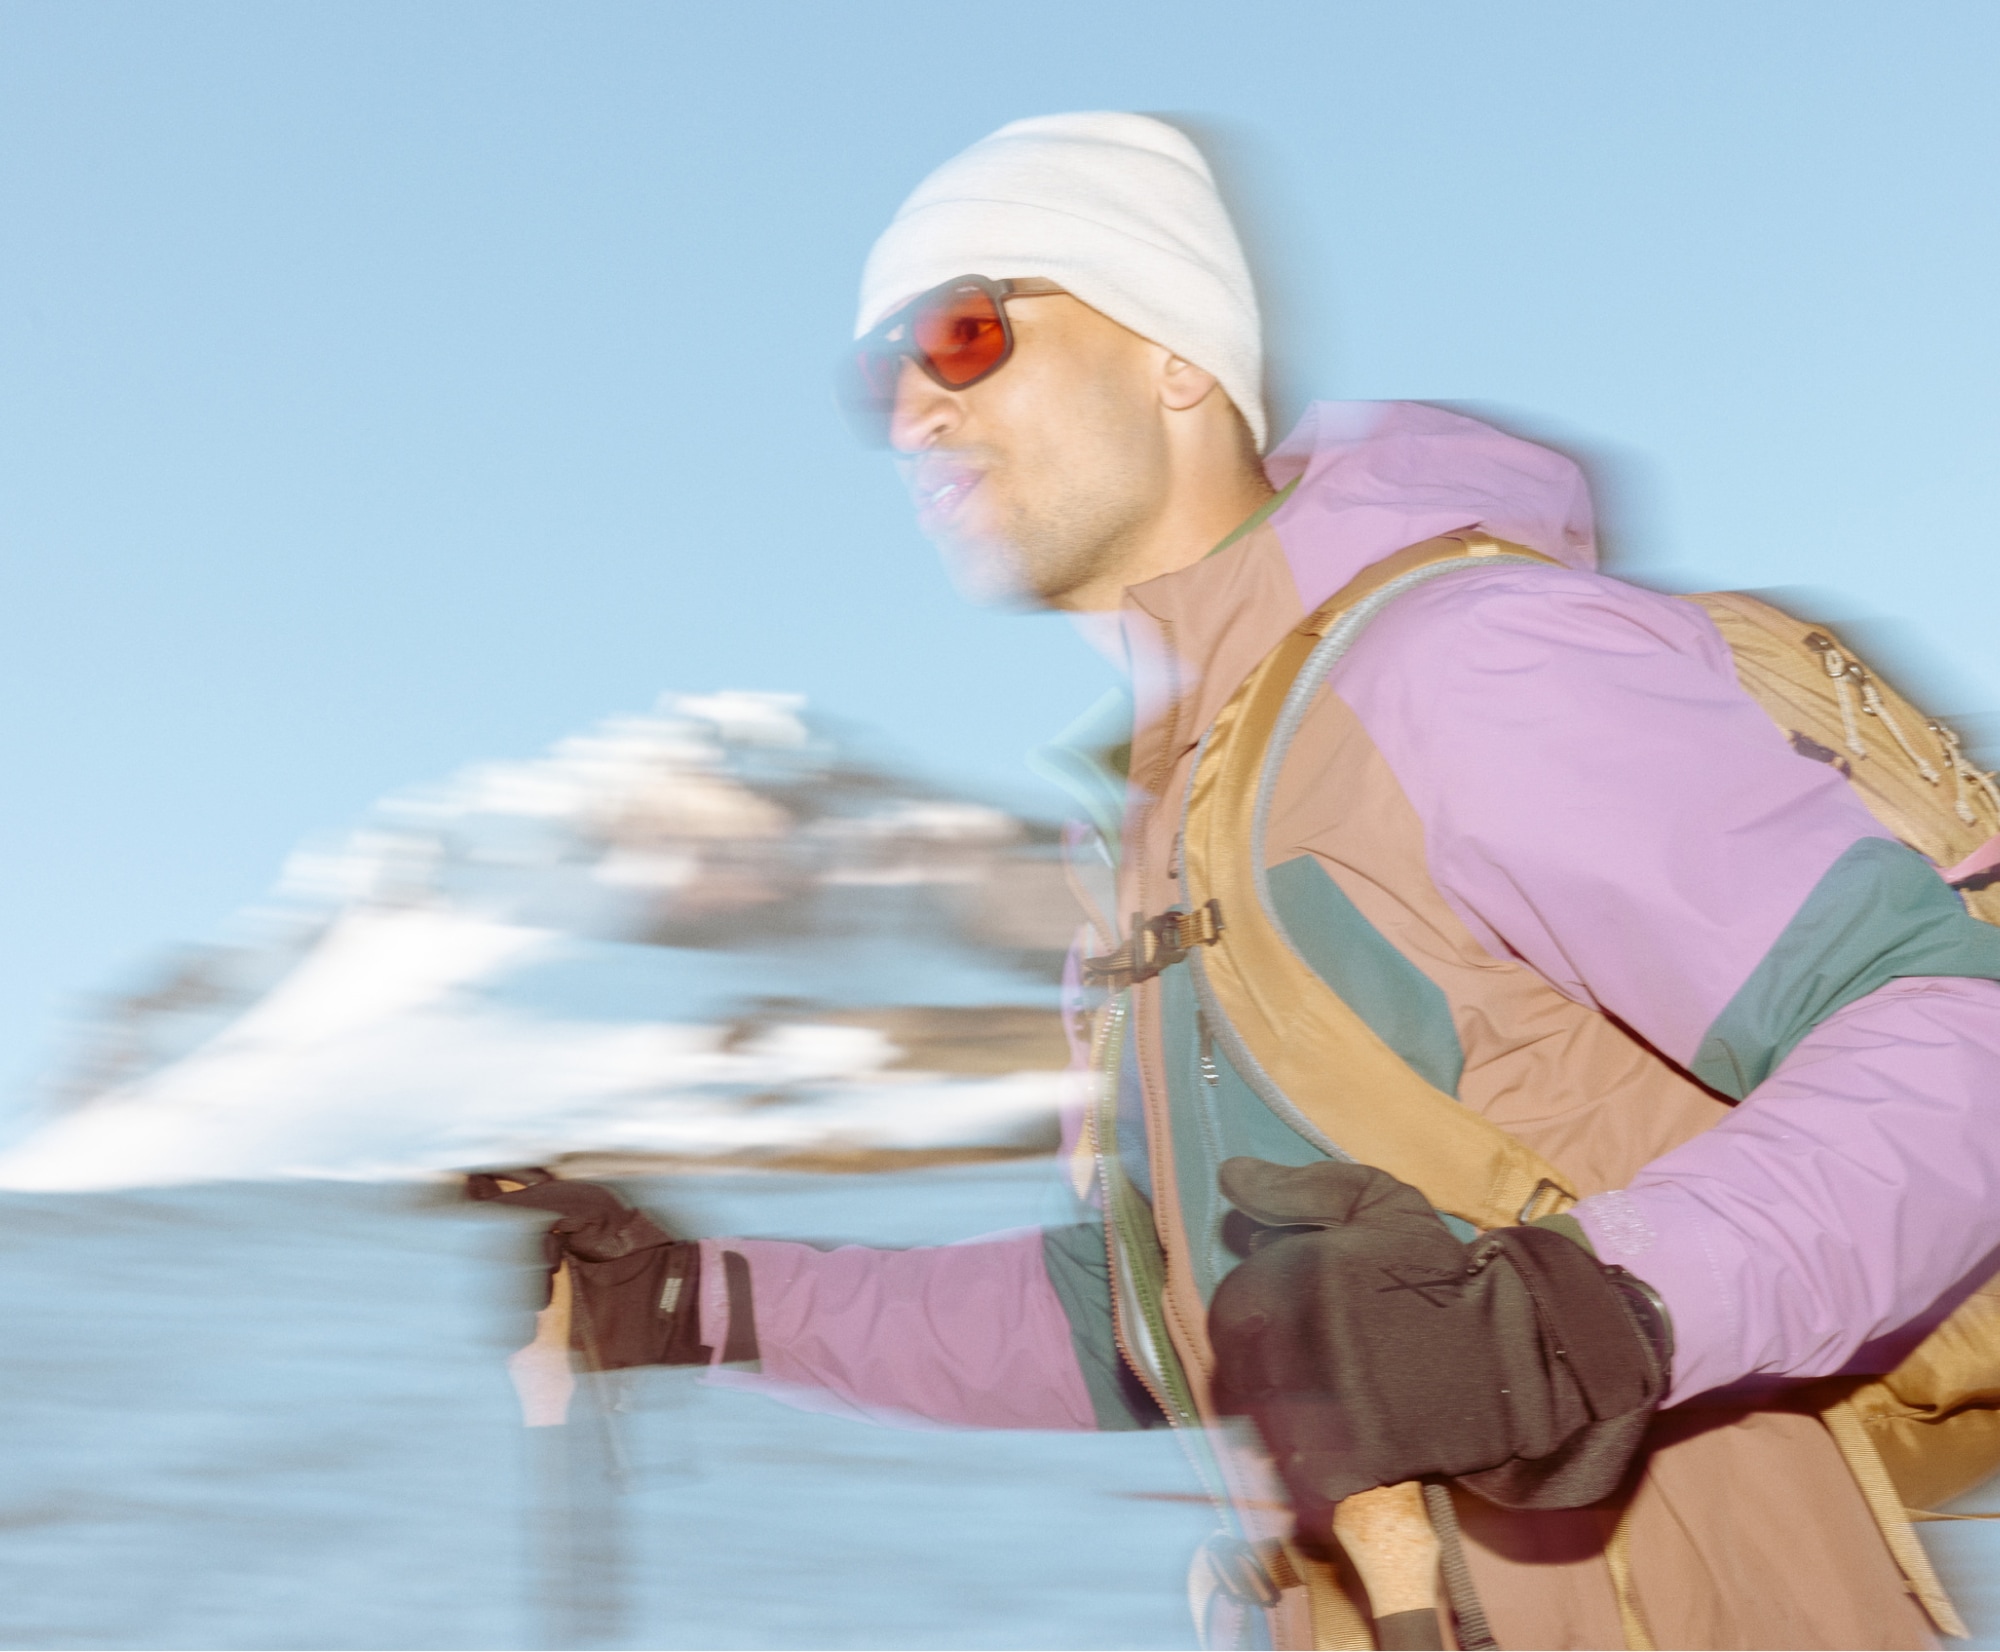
[(1374, 477)]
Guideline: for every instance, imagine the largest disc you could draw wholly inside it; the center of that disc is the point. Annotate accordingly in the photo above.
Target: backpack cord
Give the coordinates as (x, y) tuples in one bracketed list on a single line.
[(1961, 771), (1873, 703), (1838, 669)]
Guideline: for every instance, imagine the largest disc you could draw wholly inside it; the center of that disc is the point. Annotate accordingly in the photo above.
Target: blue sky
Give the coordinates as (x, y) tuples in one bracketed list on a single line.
[(384, 387)]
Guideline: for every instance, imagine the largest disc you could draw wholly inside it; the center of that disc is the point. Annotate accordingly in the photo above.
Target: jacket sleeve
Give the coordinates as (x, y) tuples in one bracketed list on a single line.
[(1856, 1190), (1605, 803), (1011, 1331)]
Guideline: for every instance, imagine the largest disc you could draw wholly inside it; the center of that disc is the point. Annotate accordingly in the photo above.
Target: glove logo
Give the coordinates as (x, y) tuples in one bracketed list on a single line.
[(1422, 1282)]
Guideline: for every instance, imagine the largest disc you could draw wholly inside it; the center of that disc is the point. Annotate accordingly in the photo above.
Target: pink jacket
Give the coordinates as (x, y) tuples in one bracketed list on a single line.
[(1533, 719)]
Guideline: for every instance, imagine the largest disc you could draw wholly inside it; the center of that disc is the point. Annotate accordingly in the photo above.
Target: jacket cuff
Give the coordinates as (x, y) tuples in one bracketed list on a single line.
[(1682, 1254), (728, 1305)]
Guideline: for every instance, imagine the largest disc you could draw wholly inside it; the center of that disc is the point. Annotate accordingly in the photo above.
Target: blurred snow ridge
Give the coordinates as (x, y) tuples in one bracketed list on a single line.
[(716, 933)]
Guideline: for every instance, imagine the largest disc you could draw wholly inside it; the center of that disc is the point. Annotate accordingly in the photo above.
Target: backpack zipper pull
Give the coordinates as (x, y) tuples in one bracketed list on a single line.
[(1843, 675), (1961, 771), (1878, 708)]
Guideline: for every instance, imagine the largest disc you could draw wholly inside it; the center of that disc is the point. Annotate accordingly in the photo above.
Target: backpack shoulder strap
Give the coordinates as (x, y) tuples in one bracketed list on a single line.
[(1294, 1040), (1323, 1069)]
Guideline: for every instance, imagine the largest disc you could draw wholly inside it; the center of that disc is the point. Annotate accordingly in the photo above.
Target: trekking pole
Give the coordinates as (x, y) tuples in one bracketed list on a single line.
[(578, 1533), (1405, 1542), (1387, 1533)]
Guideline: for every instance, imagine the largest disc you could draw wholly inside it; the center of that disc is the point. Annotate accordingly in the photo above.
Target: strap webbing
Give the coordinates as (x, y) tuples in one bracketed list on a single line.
[(1297, 1043), (1850, 1433), (1324, 1070)]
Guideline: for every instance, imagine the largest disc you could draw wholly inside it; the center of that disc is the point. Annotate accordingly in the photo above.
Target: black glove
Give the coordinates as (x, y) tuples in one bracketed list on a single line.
[(635, 1290), (1370, 1346)]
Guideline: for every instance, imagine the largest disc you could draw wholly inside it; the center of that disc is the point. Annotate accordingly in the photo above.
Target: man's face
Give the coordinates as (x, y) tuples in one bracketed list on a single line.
[(1035, 482)]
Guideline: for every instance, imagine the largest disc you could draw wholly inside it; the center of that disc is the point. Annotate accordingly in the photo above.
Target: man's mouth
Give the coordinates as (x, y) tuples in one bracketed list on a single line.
[(940, 492)]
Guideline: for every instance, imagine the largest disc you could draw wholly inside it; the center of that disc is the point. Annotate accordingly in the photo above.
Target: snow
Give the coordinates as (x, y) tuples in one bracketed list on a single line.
[(257, 1379), (369, 1061), (581, 953)]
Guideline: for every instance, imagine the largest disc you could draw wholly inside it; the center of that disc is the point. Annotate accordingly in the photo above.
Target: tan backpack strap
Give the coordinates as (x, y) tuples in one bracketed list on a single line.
[(1844, 1422), (1294, 1040), (1618, 1562)]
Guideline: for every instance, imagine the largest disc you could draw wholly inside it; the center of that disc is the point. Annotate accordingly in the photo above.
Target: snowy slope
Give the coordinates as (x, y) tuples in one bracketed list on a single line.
[(711, 933)]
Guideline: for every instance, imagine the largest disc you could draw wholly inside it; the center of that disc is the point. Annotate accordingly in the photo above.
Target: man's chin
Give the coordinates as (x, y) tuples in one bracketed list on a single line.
[(990, 576)]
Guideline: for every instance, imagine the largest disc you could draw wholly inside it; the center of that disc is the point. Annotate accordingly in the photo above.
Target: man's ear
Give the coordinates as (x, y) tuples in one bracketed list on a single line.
[(1183, 385)]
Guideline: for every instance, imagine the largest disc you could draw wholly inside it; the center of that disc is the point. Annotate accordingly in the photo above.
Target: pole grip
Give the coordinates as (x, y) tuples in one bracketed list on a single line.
[(1387, 1535), (544, 1375)]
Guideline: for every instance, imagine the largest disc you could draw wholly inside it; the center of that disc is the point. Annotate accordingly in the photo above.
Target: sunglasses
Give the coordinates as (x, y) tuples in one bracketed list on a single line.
[(958, 333)]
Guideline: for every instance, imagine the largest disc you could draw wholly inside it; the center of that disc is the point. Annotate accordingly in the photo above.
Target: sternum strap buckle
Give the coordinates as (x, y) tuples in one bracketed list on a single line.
[(1156, 943)]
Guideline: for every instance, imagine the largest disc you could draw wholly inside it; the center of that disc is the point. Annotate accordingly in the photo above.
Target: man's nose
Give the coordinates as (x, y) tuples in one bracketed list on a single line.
[(924, 411)]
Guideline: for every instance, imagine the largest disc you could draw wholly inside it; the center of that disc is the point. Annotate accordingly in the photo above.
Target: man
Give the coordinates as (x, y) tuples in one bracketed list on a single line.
[(1537, 837)]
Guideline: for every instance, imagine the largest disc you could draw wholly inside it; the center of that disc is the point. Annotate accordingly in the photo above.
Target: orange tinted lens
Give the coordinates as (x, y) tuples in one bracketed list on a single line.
[(961, 336)]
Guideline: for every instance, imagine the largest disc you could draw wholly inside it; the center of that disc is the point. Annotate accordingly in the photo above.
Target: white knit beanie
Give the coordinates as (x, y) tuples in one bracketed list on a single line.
[(1120, 210)]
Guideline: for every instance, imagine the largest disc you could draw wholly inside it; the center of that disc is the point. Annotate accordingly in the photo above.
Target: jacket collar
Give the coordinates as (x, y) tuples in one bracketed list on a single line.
[(1366, 480)]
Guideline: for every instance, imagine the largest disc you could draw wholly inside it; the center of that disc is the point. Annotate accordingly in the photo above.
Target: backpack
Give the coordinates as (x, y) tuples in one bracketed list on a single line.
[(1914, 1438)]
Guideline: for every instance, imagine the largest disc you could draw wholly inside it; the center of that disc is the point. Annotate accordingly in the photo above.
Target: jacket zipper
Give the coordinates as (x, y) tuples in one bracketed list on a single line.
[(1159, 1375), (1103, 1137)]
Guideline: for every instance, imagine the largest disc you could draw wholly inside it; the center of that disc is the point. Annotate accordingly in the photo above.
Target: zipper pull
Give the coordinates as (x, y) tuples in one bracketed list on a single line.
[(1211, 1075), (1844, 675)]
